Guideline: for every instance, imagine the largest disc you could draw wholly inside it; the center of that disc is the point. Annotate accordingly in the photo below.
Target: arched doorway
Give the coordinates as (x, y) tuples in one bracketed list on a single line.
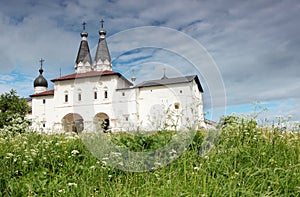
[(101, 121), (73, 122)]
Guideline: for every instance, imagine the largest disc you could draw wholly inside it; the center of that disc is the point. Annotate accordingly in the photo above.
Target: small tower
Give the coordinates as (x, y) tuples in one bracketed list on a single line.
[(164, 77), (84, 60), (40, 84), (102, 59)]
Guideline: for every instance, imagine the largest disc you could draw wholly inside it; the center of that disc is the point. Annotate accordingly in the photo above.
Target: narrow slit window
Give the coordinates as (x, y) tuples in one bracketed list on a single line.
[(44, 101), (176, 105), (95, 95), (66, 98), (79, 97), (105, 94)]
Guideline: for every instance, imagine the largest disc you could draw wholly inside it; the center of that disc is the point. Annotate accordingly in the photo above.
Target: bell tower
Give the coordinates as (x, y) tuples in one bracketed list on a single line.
[(84, 60), (40, 84), (102, 60)]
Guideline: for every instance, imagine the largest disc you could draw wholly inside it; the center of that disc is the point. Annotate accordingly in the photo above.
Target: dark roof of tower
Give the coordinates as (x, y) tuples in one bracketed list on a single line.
[(40, 80), (102, 52), (84, 54), (169, 81)]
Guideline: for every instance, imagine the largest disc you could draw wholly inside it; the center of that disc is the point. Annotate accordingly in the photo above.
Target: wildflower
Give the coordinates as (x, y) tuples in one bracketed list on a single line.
[(109, 176), (173, 151), (196, 168), (74, 152), (92, 167), (116, 153), (9, 154), (72, 184), (169, 181)]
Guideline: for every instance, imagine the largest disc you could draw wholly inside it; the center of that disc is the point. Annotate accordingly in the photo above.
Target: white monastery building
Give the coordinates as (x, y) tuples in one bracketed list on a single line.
[(95, 98)]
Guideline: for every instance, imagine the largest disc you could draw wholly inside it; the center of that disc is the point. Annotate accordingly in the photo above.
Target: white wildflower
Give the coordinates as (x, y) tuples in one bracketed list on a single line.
[(72, 184), (116, 153), (9, 154), (196, 168), (74, 152)]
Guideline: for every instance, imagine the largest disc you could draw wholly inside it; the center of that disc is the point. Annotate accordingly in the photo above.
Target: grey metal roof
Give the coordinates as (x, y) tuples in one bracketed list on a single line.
[(84, 54), (102, 52), (169, 81), (40, 80)]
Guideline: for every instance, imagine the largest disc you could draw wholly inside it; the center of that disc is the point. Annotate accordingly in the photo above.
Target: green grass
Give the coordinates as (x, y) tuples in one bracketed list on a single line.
[(247, 161)]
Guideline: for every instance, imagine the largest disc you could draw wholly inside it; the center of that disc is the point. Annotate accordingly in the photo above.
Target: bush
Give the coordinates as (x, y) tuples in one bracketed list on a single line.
[(13, 110)]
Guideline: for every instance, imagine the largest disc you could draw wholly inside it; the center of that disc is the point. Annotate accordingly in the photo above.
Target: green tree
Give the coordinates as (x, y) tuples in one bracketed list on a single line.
[(12, 107)]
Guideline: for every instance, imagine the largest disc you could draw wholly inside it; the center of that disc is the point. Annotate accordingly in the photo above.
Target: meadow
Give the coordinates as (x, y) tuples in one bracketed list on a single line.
[(248, 160)]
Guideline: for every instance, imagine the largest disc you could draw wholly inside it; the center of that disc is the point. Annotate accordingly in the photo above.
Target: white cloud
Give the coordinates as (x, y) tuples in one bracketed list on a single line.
[(254, 43)]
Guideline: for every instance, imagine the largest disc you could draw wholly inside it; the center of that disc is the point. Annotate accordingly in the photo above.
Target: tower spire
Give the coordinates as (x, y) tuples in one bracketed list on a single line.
[(41, 62), (102, 31), (102, 21), (83, 25), (84, 60), (84, 34), (40, 84), (102, 58), (164, 77)]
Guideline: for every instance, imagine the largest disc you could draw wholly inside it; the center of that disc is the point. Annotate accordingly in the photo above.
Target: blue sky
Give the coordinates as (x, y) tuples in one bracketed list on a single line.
[(255, 44)]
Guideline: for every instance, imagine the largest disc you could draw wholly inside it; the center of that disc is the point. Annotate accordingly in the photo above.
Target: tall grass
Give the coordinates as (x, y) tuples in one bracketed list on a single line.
[(247, 161)]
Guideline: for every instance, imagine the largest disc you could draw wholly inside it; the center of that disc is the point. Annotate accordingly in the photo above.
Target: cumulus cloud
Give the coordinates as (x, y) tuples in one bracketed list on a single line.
[(255, 44)]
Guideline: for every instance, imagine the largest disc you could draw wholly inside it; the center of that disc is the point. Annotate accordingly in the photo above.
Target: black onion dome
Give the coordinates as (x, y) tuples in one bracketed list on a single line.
[(40, 80)]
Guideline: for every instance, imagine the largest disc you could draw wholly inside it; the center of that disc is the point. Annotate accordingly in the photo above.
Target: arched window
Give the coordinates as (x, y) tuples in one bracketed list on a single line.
[(79, 94), (105, 92), (66, 96), (95, 94), (176, 105)]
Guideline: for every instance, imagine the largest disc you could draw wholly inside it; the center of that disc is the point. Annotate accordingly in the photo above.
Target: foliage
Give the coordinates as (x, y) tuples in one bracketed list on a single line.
[(142, 141), (246, 161), (12, 112)]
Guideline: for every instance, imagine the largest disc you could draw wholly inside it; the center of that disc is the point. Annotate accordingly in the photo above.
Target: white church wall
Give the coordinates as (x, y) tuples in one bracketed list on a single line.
[(157, 108), (42, 113), (117, 107)]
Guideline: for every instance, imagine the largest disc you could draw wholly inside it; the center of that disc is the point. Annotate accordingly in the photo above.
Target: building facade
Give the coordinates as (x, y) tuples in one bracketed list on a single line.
[(95, 98)]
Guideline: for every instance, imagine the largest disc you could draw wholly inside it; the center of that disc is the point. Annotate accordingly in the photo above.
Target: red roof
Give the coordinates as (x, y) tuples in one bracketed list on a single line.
[(87, 74), (46, 93)]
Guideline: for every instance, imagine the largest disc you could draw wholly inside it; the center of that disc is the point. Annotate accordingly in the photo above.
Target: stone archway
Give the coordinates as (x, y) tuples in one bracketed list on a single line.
[(73, 122), (101, 121)]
